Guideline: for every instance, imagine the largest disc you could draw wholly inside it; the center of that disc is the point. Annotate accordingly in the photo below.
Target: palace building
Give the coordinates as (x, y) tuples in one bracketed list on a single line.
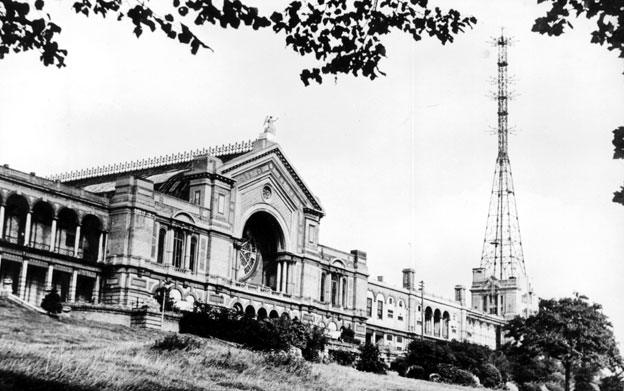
[(233, 226)]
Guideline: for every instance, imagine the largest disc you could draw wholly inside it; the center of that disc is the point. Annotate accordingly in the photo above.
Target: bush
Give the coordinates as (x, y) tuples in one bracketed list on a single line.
[(176, 342), (289, 363), (265, 335), (52, 303), (451, 374), (369, 360), (416, 372), (348, 335), (490, 376), (399, 365), (343, 357), (316, 341)]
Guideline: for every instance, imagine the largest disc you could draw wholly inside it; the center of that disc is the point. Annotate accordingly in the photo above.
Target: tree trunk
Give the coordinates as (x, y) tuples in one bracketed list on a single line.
[(568, 370)]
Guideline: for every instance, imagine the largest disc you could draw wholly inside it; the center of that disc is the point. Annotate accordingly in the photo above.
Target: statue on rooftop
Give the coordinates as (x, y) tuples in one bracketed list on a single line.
[(269, 124)]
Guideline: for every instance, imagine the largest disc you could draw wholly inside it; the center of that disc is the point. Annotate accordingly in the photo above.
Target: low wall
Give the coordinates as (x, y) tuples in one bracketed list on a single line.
[(130, 317)]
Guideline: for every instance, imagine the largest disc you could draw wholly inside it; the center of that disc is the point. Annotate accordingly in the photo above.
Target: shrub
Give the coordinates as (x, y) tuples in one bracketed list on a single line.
[(399, 365), (176, 342), (369, 360), (490, 376), (52, 303), (348, 335), (290, 363), (343, 357), (265, 335), (416, 372), (451, 374)]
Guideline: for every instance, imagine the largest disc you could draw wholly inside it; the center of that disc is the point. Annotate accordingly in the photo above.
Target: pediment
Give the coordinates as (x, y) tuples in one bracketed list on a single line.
[(272, 163)]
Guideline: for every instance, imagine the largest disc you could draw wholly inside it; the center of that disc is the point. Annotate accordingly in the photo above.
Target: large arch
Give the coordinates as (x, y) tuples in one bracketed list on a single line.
[(41, 226), (66, 231), (16, 209), (428, 319), (446, 320), (262, 239), (90, 237), (437, 315), (270, 210)]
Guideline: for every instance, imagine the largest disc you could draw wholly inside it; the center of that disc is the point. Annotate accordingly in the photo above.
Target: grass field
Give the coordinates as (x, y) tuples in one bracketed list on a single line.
[(41, 353)]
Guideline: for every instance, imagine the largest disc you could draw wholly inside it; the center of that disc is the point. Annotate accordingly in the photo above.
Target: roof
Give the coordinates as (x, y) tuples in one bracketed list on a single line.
[(151, 167)]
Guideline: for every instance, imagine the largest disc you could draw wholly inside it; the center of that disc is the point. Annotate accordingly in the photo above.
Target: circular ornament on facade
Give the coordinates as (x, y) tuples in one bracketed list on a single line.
[(267, 193), (249, 257)]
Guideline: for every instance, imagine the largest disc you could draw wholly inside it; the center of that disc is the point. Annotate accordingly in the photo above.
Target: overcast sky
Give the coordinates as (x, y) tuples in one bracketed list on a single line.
[(402, 165)]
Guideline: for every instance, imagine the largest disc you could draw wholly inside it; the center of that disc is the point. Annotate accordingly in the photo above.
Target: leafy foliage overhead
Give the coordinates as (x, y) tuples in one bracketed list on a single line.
[(608, 15), (343, 36), (618, 143)]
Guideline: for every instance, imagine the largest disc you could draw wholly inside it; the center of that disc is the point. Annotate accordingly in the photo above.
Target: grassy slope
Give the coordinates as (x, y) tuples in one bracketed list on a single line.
[(40, 353)]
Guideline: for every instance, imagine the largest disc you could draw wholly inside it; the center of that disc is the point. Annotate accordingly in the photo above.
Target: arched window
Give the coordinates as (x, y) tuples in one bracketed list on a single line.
[(162, 237), (178, 248), (428, 319), (344, 292), (193, 253), (323, 278), (335, 295)]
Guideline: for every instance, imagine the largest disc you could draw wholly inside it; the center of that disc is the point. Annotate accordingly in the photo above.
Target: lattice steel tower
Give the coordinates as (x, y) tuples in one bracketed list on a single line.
[(502, 247), (500, 285)]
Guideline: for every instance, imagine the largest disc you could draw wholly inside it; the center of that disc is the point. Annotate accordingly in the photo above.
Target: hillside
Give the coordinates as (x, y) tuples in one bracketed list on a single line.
[(40, 353)]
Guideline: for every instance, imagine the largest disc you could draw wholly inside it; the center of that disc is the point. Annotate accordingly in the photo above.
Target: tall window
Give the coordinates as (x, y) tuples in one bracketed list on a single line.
[(369, 307), (193, 253), (334, 290), (178, 248), (380, 304), (197, 197), (323, 277), (344, 292), (160, 253)]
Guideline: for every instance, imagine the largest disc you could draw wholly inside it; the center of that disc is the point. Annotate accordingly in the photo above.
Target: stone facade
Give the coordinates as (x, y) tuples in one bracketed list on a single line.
[(234, 226)]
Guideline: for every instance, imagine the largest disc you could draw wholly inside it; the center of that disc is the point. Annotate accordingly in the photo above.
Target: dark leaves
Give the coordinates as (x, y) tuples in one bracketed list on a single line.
[(23, 29), (344, 37), (618, 143), (608, 15)]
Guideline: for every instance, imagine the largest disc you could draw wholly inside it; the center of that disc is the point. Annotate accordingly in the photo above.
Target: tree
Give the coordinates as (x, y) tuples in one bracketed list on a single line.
[(618, 153), (52, 303), (571, 331), (345, 37), (609, 32), (370, 361)]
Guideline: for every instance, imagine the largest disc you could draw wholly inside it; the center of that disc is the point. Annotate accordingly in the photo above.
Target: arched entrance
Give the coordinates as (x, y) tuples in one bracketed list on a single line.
[(261, 240)]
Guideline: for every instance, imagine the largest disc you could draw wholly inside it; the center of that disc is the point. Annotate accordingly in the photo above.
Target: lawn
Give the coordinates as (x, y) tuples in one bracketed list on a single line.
[(41, 353)]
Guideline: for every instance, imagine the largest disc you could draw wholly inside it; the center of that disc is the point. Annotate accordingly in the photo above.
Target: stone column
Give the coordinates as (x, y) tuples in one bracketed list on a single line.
[(104, 246), (49, 275), (279, 276), (96, 290), (27, 229), (72, 286), (187, 251), (288, 267), (77, 240), (328, 288), (21, 288), (100, 241), (1, 221), (169, 247), (339, 291), (53, 234)]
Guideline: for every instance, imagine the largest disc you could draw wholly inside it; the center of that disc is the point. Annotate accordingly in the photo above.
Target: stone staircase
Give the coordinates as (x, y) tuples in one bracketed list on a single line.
[(15, 299)]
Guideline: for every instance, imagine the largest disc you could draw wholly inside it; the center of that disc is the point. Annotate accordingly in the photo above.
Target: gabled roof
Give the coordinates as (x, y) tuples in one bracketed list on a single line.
[(275, 150)]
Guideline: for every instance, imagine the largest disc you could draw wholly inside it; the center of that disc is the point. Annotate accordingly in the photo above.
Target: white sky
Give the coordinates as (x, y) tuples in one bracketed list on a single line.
[(402, 165)]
